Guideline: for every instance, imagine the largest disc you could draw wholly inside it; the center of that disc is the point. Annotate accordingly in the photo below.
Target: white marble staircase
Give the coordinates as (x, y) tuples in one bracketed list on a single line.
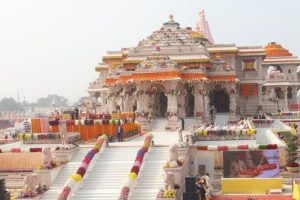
[(106, 178), (69, 169), (150, 178)]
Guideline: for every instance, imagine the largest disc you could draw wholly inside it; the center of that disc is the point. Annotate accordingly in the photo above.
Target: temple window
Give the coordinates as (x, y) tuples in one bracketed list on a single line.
[(290, 93), (249, 64), (289, 71)]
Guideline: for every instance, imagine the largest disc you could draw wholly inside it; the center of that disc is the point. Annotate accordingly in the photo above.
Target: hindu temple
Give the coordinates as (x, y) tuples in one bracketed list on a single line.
[(182, 71)]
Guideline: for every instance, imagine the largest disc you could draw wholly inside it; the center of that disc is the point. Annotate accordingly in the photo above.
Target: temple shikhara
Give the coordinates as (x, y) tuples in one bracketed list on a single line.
[(182, 71)]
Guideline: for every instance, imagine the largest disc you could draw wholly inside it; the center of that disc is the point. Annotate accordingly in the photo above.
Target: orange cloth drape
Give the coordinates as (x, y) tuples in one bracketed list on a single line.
[(93, 131), (35, 125), (55, 129)]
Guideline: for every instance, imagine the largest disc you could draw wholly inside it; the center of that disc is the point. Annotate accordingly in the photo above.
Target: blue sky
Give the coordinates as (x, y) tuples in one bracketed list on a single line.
[(52, 46)]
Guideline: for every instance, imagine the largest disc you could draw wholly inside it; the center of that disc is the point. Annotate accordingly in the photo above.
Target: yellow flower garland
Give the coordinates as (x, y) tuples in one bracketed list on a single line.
[(132, 175), (169, 193), (76, 177)]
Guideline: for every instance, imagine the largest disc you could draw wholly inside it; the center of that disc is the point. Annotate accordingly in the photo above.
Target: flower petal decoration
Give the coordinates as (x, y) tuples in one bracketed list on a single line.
[(137, 163), (84, 165), (95, 151), (87, 160), (81, 171), (132, 175), (135, 169), (70, 183), (76, 177), (139, 158), (97, 146), (90, 154)]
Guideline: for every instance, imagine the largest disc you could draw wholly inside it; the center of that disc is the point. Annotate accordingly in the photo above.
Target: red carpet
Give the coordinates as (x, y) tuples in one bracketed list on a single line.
[(254, 197)]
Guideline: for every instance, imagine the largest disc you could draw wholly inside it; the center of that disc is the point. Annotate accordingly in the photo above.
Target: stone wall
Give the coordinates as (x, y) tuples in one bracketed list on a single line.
[(20, 161)]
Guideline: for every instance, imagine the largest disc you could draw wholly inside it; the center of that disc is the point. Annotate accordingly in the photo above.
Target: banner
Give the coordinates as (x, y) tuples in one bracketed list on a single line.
[(251, 164)]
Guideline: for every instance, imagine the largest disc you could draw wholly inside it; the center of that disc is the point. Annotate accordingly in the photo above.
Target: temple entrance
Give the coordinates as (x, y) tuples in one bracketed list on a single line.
[(190, 103), (160, 104), (220, 100), (159, 100)]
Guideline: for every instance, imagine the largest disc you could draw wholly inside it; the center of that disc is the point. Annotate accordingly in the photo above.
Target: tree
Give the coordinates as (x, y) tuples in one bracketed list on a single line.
[(291, 148), (10, 104), (80, 100), (52, 100)]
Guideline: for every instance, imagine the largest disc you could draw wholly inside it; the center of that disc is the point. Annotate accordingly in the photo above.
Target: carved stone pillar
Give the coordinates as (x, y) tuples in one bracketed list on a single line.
[(206, 107), (294, 99), (260, 95), (146, 100), (181, 107), (112, 103), (285, 102), (198, 105), (232, 105), (139, 104), (128, 103), (172, 103)]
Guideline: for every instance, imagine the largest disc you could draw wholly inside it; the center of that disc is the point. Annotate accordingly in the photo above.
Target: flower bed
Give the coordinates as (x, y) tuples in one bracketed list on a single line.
[(64, 153), (174, 164), (169, 194), (41, 138), (32, 194), (285, 115), (132, 176), (88, 122), (77, 177), (51, 165), (244, 130)]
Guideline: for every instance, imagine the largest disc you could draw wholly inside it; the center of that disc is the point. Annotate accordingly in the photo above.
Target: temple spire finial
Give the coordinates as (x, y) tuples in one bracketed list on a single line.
[(171, 17), (202, 27)]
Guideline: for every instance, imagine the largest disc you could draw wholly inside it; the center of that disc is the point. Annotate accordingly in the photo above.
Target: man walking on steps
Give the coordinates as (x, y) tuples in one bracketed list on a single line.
[(120, 133)]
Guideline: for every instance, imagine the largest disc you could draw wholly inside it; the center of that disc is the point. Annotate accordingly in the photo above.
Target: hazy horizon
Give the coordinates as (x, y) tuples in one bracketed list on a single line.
[(51, 47)]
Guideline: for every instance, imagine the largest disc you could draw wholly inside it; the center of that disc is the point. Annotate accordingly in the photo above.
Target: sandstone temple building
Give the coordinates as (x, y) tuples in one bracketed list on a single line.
[(182, 71)]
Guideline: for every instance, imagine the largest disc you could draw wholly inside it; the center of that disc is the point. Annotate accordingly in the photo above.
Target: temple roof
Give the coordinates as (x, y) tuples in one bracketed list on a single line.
[(276, 50), (157, 60), (170, 34), (101, 67), (177, 58), (276, 54)]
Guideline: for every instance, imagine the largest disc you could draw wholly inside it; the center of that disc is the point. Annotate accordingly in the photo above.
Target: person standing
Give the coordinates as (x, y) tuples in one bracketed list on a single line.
[(120, 133), (182, 124)]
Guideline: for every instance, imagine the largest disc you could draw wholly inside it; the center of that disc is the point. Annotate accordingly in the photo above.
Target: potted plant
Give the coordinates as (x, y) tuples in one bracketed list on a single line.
[(291, 148)]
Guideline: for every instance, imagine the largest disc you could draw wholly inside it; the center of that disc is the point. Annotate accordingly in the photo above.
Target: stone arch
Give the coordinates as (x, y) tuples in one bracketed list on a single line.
[(219, 98), (158, 100)]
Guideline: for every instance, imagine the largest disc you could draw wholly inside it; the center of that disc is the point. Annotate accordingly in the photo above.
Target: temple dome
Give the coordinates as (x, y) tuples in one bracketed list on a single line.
[(276, 50), (170, 34), (171, 22)]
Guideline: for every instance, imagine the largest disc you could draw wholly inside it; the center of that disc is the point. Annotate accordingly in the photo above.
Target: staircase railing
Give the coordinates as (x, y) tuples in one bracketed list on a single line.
[(72, 183), (132, 176)]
